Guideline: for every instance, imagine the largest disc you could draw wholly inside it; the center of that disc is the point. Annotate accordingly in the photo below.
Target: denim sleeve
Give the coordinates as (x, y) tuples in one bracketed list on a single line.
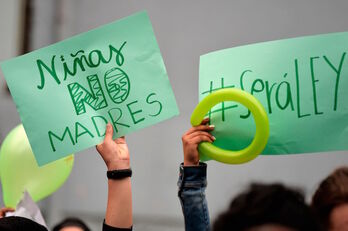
[(192, 183)]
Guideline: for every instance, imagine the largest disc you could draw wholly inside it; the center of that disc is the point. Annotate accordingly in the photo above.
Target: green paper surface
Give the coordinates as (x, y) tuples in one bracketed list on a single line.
[(66, 93), (301, 82)]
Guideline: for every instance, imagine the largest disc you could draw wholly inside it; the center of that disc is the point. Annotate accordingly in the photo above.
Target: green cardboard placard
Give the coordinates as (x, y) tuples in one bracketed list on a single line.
[(66, 93), (301, 82)]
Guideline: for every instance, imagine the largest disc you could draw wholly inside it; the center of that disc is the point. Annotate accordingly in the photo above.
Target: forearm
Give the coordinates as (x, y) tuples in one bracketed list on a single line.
[(192, 184), (115, 154), (119, 205)]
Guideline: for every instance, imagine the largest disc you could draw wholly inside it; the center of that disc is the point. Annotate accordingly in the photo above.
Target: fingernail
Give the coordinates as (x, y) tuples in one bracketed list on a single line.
[(212, 126), (213, 137)]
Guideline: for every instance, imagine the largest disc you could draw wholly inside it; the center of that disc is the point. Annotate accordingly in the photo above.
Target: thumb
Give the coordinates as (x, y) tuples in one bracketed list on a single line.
[(108, 132)]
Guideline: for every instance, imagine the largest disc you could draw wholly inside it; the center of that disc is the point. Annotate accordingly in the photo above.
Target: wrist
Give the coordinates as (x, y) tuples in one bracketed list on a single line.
[(119, 174), (118, 164), (191, 162)]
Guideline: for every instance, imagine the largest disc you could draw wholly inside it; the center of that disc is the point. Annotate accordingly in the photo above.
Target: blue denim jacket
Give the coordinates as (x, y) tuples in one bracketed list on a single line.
[(192, 183)]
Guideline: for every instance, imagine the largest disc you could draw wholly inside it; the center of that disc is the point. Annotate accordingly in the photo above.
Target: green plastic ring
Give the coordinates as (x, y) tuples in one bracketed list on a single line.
[(261, 121)]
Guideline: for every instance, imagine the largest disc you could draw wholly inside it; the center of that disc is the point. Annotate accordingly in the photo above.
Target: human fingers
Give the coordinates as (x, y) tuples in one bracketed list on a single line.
[(108, 136), (202, 138), (191, 138), (205, 121), (200, 128), (200, 133), (108, 132)]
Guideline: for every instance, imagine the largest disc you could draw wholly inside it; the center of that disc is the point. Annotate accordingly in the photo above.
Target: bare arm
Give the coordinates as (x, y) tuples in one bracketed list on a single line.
[(116, 156)]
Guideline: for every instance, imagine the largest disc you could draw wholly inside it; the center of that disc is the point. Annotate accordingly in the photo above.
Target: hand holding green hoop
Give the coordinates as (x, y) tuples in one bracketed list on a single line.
[(261, 121)]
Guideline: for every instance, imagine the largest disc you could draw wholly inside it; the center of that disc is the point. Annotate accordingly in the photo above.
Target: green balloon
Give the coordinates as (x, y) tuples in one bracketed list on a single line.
[(19, 170)]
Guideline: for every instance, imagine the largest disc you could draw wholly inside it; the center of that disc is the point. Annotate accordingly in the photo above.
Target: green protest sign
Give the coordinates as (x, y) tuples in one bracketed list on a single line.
[(301, 82), (67, 92)]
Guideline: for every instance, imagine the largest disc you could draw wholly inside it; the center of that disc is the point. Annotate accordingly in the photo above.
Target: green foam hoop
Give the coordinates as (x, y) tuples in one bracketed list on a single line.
[(259, 142)]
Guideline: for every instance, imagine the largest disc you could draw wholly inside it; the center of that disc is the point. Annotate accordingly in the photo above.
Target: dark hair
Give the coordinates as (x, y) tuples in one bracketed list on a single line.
[(19, 224), (267, 204), (332, 192), (71, 222)]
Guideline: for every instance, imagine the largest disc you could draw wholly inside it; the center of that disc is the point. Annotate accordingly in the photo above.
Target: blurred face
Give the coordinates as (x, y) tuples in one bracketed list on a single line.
[(339, 218), (71, 229), (271, 227)]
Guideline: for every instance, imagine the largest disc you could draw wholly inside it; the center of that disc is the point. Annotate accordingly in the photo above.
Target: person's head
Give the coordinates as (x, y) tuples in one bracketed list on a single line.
[(71, 224), (271, 207), (330, 201), (19, 224)]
